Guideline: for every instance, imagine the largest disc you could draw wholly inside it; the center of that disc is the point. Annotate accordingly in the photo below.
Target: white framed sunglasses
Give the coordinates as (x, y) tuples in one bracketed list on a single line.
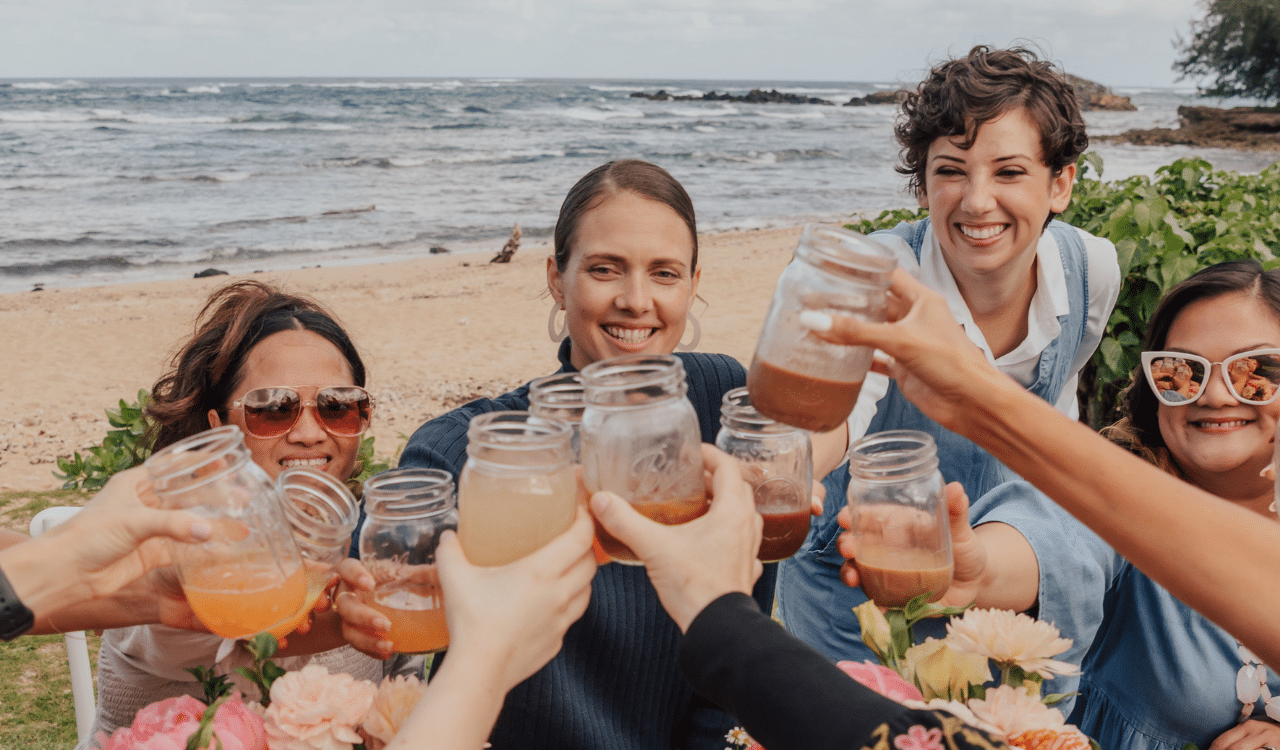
[(343, 410), (1178, 378)]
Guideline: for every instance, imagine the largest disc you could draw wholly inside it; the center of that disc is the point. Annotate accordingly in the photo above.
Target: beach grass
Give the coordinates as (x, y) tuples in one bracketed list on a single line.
[(36, 709)]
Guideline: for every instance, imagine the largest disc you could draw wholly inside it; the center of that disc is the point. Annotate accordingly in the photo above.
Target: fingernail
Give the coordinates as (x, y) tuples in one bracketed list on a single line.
[(600, 501), (385, 647), (367, 582), (816, 321), (201, 530), (383, 626)]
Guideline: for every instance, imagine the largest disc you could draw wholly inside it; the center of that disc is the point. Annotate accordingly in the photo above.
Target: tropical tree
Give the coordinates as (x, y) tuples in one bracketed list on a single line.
[(1238, 42)]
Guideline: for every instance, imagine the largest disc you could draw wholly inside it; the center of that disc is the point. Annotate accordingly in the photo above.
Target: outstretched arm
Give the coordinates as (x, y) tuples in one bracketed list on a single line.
[(1194, 544)]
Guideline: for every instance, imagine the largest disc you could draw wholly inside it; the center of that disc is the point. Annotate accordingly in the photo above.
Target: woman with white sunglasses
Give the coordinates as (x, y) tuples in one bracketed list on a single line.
[(1203, 407)]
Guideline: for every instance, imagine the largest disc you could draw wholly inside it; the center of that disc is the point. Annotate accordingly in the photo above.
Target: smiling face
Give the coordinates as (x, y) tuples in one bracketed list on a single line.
[(989, 203), (1220, 443), (627, 285), (306, 361)]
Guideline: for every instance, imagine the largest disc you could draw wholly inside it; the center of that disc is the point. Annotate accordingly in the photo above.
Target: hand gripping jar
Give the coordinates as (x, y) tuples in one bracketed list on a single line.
[(247, 577), (777, 461), (517, 490), (641, 441), (899, 519), (406, 512), (797, 378)]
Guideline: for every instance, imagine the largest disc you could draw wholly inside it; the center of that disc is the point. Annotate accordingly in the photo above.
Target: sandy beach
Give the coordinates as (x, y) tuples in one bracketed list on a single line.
[(435, 332)]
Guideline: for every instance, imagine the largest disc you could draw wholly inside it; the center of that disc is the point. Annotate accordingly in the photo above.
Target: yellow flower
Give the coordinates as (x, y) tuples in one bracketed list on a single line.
[(1010, 639), (875, 630), (941, 672)]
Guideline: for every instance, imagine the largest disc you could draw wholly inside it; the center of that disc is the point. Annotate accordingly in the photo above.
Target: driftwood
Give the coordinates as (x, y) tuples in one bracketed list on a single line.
[(509, 249)]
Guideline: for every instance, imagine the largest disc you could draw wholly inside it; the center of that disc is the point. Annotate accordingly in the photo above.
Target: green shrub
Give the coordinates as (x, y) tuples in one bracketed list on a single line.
[(1190, 217), (120, 450)]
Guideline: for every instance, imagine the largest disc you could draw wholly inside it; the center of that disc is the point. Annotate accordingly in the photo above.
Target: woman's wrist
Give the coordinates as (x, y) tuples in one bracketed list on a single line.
[(37, 584)]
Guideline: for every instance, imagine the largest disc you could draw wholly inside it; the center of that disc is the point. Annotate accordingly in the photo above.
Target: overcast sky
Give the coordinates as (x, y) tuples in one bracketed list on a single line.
[(1116, 42)]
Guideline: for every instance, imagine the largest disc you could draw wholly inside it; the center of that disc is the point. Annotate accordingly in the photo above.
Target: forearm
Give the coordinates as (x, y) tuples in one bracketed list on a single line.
[(456, 711), (829, 449), (1011, 579), (42, 585), (325, 634), (1196, 545)]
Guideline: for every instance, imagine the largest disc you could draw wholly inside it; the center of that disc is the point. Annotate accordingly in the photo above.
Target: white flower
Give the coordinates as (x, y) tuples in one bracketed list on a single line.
[(1010, 639), (957, 708), (1011, 711)]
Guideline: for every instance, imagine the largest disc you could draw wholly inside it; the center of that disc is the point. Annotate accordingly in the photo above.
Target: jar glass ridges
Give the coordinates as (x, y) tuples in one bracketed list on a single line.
[(777, 461), (560, 396), (899, 517), (641, 441), (248, 577), (518, 489), (406, 511), (795, 377), (322, 513)]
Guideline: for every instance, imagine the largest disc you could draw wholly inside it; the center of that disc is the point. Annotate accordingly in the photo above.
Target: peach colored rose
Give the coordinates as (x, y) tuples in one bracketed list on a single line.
[(1011, 711), (238, 727), (1063, 738), (391, 706), (314, 710)]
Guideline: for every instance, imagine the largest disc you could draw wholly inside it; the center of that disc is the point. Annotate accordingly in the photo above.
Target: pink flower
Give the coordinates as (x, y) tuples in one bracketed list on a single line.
[(161, 725), (917, 738), (238, 727), (881, 679), (391, 706), (314, 710)]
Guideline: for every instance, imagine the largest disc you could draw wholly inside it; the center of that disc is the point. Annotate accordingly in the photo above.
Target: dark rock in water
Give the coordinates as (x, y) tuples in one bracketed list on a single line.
[(755, 96), (1250, 128), (475, 109), (1095, 96), (206, 273), (875, 97), (439, 250)]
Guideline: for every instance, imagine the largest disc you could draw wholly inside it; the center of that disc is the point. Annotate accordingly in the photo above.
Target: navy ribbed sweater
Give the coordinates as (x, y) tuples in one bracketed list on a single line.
[(616, 683)]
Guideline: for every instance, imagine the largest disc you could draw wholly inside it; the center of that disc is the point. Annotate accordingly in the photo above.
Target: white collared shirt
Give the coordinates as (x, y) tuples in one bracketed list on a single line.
[(1051, 300)]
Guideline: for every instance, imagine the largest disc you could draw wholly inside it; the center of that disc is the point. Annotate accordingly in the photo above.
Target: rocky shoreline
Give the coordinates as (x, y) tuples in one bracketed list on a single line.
[(1244, 128)]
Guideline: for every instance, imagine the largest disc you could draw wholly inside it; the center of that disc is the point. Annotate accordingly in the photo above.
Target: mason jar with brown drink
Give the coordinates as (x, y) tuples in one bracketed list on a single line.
[(796, 377), (641, 441), (777, 461)]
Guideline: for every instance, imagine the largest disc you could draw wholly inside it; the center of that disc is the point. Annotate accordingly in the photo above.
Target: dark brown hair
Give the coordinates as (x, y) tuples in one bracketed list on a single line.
[(622, 176), (209, 368), (1139, 428), (960, 95)]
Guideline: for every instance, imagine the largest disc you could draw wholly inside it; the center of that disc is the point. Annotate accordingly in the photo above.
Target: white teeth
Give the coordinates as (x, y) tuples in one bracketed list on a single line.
[(1235, 423), (289, 463), (629, 335), (984, 233)]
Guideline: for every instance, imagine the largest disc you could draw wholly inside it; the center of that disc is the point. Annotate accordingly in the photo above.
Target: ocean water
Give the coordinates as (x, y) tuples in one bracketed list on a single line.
[(108, 180)]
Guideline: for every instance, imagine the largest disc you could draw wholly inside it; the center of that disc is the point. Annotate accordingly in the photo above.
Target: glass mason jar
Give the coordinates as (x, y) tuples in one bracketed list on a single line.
[(406, 511), (777, 461), (641, 441), (560, 396), (899, 517), (248, 577), (322, 513), (517, 490), (797, 378)]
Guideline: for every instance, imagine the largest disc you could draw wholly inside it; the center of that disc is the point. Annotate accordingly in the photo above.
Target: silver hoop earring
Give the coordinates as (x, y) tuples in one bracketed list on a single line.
[(697, 335), (563, 333)]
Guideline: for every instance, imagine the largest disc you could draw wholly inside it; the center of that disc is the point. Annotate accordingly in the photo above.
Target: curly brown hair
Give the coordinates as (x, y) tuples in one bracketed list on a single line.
[(960, 95), (209, 367)]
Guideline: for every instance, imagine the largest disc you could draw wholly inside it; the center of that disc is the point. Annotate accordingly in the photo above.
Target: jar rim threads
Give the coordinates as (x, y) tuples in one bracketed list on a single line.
[(409, 493), (893, 455)]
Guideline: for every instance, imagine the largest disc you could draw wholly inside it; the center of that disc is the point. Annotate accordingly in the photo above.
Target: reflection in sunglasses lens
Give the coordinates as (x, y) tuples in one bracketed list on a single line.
[(271, 412)]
